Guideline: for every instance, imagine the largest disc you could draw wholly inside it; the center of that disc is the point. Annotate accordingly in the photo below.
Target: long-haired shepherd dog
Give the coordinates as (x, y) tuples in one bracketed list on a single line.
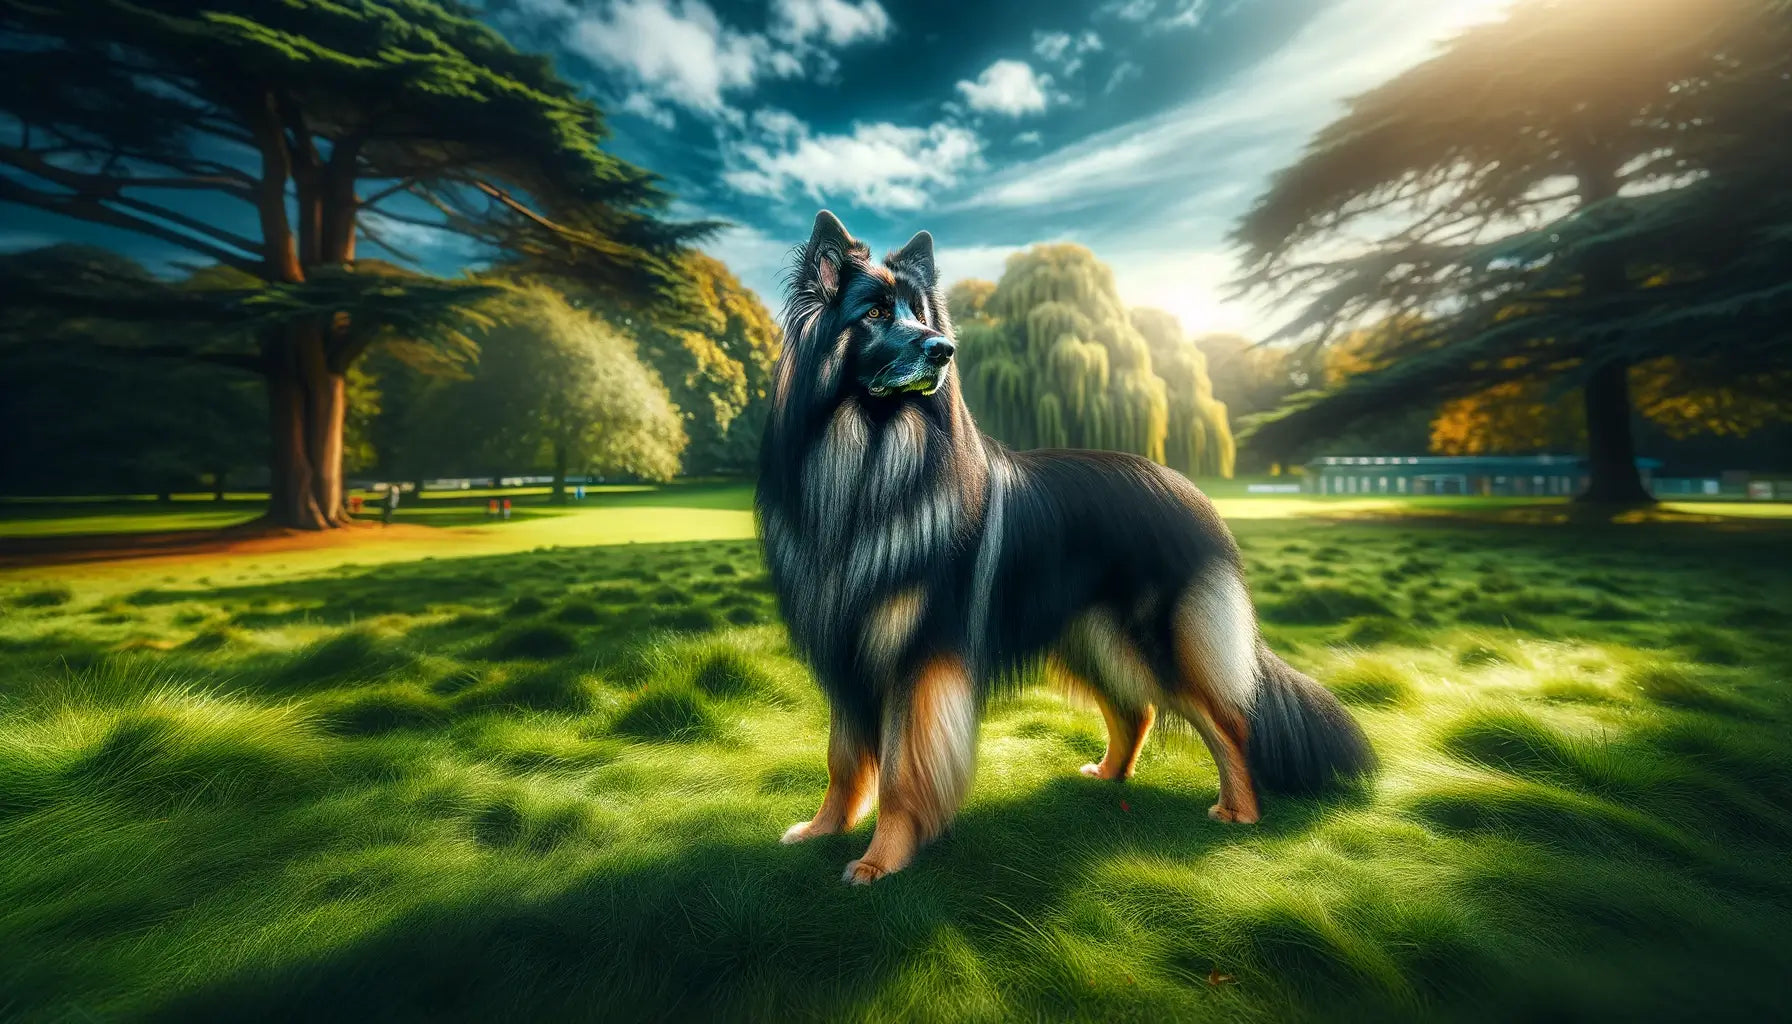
[(921, 565)]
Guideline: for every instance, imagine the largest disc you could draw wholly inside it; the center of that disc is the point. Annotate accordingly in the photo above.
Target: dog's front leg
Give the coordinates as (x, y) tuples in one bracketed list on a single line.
[(852, 774), (929, 746)]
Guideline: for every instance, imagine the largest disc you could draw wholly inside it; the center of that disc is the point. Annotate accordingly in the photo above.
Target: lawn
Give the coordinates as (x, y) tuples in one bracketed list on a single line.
[(537, 770)]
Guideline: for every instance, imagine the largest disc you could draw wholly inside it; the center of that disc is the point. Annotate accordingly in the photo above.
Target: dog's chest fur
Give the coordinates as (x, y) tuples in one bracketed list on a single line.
[(875, 511)]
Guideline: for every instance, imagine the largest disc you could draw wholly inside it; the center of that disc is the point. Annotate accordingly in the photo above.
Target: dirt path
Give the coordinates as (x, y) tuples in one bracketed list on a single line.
[(183, 545)]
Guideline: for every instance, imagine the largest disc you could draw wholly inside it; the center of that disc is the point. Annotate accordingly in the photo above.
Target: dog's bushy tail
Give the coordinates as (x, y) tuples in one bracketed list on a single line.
[(1302, 739)]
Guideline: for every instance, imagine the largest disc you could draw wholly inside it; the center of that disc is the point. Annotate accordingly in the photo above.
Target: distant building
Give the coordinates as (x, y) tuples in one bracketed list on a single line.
[(1516, 475)]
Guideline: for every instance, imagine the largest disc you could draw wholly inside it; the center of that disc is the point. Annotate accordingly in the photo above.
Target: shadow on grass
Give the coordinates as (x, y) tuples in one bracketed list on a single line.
[(728, 924)]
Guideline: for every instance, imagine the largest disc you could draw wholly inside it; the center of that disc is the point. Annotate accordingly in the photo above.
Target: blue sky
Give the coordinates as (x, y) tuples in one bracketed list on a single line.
[(1140, 128)]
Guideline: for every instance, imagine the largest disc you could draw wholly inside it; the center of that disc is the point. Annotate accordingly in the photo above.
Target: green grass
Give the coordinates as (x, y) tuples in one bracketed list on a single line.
[(535, 771)]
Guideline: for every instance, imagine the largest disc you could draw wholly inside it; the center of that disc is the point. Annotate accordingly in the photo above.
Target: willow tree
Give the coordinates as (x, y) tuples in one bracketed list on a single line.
[(260, 134), (1199, 442), (1053, 359), (1544, 198)]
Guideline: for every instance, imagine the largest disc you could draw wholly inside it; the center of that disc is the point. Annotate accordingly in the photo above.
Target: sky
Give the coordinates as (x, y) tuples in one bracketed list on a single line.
[(1140, 128)]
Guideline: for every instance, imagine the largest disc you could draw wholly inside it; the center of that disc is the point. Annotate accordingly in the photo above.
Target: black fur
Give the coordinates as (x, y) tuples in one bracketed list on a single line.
[(1302, 739), (868, 498)]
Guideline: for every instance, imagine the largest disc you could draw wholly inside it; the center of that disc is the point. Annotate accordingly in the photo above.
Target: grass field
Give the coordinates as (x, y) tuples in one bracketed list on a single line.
[(534, 771)]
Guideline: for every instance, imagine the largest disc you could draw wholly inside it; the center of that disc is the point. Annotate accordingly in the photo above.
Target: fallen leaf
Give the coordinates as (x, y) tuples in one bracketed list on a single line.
[(1124, 807), (1214, 977)]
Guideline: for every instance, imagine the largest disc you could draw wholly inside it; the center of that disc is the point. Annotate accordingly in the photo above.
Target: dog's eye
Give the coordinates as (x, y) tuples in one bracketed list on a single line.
[(877, 313)]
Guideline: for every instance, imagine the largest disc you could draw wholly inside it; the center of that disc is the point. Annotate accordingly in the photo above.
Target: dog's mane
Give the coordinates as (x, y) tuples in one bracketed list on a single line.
[(858, 497)]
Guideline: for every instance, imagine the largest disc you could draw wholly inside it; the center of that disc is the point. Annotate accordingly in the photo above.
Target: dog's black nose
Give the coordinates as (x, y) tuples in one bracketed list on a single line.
[(938, 350)]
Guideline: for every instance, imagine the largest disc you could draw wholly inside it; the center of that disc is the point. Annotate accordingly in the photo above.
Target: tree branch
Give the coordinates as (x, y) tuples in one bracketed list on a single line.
[(93, 211), (230, 360), (105, 185), (387, 193)]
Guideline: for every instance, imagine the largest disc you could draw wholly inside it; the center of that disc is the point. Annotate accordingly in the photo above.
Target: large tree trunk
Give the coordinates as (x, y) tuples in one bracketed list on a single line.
[(1612, 477), (1611, 450), (306, 403), (559, 490)]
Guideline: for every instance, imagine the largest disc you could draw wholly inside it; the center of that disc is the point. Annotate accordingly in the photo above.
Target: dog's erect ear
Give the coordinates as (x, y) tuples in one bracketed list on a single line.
[(826, 253), (917, 258)]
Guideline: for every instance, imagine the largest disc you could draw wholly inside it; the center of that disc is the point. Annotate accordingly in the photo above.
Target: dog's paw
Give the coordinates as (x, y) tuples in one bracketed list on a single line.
[(863, 872), (1230, 815), (1094, 771), (800, 831)]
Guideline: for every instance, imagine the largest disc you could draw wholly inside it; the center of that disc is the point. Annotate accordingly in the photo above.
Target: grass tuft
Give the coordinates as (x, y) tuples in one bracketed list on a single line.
[(531, 642), (667, 712), (1679, 686), (1370, 680), (1324, 604), (43, 597)]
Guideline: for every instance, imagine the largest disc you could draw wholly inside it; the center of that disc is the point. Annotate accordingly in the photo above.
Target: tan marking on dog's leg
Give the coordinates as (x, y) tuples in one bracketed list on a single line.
[(852, 772), (1127, 730), (928, 755), (1226, 742), (1215, 645)]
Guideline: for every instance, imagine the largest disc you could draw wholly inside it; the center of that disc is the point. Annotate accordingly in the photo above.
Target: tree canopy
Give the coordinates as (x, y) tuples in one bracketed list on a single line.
[(274, 137), (1053, 359), (1555, 197), (715, 350), (556, 388)]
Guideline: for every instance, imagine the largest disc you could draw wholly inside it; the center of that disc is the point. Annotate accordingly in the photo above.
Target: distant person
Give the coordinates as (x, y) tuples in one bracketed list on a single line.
[(391, 506), (507, 510), (491, 509), (354, 504), (578, 492)]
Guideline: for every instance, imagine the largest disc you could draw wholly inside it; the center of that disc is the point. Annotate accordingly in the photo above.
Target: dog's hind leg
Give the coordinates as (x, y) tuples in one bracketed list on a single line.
[(1127, 729), (852, 773), (929, 747), (1128, 725), (1214, 637), (1098, 655)]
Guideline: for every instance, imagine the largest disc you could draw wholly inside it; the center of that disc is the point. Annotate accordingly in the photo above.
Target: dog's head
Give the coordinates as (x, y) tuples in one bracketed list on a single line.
[(885, 322)]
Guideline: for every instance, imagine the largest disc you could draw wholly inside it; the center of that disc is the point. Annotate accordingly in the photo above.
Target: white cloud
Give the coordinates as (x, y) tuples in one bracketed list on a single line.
[(840, 22), (1123, 71), (1050, 46), (1162, 17), (1027, 139), (643, 106), (1187, 15), (681, 52), (1129, 10), (1064, 49), (880, 165), (1009, 87)]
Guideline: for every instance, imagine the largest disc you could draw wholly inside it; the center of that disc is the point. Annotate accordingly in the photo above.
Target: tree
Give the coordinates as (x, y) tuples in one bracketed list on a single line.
[(968, 301), (260, 134), (1199, 440), (1053, 359), (556, 387), (77, 417), (715, 350), (1532, 191)]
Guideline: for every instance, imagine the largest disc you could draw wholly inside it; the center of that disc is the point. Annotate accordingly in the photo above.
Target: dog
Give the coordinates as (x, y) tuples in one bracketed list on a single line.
[(921, 566)]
